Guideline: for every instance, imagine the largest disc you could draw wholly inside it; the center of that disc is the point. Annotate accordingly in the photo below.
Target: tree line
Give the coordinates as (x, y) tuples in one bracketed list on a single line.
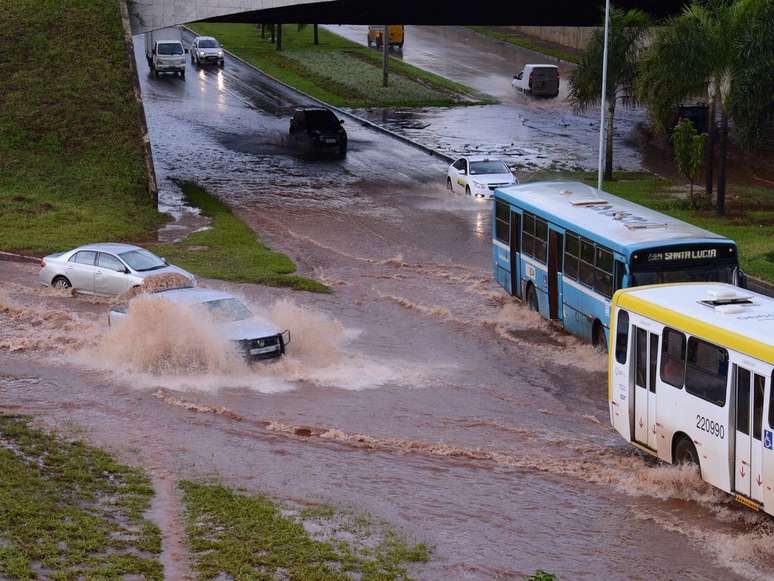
[(720, 52)]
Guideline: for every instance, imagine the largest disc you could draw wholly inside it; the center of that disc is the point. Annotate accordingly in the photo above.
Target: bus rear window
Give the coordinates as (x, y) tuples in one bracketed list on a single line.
[(622, 337), (503, 222), (706, 371)]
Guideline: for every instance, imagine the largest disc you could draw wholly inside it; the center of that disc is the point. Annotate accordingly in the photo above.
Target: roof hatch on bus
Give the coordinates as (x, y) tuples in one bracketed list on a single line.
[(589, 202), (726, 301)]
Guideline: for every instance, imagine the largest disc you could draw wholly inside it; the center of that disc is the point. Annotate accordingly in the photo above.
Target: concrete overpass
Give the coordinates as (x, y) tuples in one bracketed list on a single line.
[(151, 14)]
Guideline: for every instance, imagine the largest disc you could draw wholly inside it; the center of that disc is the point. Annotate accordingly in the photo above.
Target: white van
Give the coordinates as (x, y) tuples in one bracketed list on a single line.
[(538, 80)]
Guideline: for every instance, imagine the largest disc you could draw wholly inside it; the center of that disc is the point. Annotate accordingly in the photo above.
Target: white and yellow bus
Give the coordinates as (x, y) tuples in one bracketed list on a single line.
[(690, 380)]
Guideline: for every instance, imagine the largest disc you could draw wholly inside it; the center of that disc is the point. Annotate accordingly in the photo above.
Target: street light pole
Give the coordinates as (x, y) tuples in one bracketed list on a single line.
[(385, 54), (603, 99)]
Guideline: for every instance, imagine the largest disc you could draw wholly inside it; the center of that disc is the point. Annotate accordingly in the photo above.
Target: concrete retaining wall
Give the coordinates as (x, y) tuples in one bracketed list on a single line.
[(576, 37)]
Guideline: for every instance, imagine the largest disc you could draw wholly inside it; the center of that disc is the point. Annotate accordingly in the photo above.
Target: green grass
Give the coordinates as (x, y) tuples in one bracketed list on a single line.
[(69, 511), (541, 575), (230, 250), (71, 162), (749, 220), (513, 37), (339, 71), (250, 537)]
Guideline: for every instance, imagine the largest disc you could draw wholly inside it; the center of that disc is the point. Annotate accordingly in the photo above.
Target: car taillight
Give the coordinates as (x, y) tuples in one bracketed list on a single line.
[(530, 76), (42, 263), (557, 76)]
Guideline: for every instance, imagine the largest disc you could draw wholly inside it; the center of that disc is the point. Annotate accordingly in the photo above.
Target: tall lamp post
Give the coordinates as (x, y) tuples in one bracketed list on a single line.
[(385, 55), (603, 99)]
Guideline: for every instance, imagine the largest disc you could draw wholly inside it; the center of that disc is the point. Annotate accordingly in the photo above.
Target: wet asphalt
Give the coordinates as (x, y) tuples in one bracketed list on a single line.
[(530, 133), (416, 392)]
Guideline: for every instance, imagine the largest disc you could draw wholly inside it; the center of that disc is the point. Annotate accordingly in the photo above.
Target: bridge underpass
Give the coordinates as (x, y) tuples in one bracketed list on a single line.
[(150, 14)]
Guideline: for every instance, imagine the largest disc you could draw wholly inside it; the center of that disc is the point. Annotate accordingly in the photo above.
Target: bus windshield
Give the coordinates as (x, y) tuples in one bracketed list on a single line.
[(695, 274)]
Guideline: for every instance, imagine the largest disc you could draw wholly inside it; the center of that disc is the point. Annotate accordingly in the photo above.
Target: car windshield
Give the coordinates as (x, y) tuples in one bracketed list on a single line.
[(208, 43), (478, 168), (228, 310), (323, 120), (141, 260), (170, 48)]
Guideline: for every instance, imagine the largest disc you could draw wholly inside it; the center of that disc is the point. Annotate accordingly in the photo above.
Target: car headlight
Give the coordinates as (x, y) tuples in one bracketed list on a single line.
[(202, 53), (479, 185), (220, 53)]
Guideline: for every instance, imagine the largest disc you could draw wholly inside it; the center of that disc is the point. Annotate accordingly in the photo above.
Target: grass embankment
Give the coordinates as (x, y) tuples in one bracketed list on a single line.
[(69, 511), (230, 250), (339, 71), (71, 160), (749, 216), (239, 536), (513, 37)]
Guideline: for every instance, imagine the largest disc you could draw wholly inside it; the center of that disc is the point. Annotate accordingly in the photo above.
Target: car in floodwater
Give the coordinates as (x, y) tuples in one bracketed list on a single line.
[(478, 176), (206, 50), (105, 269), (538, 80), (256, 338), (318, 129)]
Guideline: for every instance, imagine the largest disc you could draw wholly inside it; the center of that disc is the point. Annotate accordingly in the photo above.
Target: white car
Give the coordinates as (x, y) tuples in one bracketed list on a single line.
[(479, 176), (104, 269), (206, 50), (254, 337)]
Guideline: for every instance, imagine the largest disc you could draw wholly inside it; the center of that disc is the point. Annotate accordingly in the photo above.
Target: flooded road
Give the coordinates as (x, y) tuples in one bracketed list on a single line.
[(530, 133), (416, 392)]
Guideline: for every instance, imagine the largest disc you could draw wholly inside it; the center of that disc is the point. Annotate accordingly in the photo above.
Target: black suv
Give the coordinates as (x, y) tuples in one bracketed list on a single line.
[(318, 129)]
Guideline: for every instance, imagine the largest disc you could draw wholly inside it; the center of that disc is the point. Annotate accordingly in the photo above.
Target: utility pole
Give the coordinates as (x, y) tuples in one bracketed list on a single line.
[(316, 37), (273, 29), (385, 55), (279, 36), (603, 99)]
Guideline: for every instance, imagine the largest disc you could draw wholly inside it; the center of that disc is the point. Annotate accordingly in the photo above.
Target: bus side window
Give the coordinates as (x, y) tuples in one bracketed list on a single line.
[(571, 253), (528, 234), (587, 263), (771, 402), (619, 274), (758, 391), (503, 222), (706, 371), (641, 363), (673, 358), (622, 337)]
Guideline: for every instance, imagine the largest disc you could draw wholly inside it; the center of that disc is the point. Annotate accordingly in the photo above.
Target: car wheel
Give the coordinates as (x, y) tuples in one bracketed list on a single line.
[(467, 191), (182, 74), (222, 64), (449, 185), (532, 300), (158, 74), (60, 282)]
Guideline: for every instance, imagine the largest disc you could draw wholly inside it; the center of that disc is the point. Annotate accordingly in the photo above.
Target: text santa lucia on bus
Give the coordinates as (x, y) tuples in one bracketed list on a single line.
[(565, 248), (690, 380)]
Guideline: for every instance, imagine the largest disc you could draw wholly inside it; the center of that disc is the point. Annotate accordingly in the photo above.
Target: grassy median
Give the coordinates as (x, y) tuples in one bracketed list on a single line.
[(71, 160), (239, 536), (339, 71), (230, 250), (69, 511), (509, 35), (749, 216)]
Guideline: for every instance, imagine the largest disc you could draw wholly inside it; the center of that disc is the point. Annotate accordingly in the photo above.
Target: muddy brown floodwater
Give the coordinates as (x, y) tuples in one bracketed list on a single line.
[(417, 391)]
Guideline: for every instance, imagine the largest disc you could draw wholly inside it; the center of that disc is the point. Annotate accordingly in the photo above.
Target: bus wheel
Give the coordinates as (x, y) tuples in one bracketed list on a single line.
[(685, 452), (449, 185), (532, 300), (598, 338)]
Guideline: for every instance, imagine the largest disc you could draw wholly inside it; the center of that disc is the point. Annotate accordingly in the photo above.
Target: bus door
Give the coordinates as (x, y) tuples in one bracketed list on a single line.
[(555, 254), (515, 256), (748, 446), (645, 366)]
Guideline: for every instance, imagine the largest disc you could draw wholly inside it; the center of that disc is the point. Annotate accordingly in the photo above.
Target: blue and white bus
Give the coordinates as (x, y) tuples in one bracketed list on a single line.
[(564, 248)]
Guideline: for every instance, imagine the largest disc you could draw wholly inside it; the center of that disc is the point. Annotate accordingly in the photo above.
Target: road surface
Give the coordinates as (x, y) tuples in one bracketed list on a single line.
[(530, 133), (426, 396)]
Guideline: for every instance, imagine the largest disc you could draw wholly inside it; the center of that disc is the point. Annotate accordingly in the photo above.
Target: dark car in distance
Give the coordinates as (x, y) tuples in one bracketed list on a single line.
[(318, 130)]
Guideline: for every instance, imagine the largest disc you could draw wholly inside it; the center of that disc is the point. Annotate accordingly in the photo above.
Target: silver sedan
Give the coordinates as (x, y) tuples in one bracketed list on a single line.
[(104, 269)]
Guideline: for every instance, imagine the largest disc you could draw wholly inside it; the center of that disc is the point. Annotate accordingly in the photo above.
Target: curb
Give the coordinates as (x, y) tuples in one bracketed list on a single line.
[(760, 286), (361, 120), (150, 170), (13, 257), (511, 44)]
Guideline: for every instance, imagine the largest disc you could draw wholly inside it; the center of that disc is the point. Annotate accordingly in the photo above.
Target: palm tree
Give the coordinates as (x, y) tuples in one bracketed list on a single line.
[(694, 54), (626, 33)]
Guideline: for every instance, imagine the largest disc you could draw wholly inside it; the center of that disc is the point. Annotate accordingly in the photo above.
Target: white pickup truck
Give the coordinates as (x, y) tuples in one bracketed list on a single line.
[(164, 51), (538, 80)]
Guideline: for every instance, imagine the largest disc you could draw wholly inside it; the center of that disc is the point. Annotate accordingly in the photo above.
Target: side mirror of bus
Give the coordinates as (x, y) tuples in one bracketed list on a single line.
[(742, 278)]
